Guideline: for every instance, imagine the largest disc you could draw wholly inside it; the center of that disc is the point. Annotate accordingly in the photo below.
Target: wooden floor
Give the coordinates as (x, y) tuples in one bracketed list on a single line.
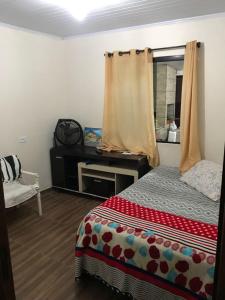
[(42, 250)]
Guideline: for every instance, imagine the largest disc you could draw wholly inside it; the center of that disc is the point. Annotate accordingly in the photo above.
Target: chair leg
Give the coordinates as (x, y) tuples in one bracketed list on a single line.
[(39, 204)]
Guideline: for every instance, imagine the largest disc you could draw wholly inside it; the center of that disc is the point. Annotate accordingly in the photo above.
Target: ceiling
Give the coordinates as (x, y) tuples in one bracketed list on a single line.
[(40, 16)]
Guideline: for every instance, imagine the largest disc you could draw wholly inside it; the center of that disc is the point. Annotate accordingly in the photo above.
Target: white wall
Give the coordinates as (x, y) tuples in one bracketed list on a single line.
[(32, 96), (43, 78), (85, 63)]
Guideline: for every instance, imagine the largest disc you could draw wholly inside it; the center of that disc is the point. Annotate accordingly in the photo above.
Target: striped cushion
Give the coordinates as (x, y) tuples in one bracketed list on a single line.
[(10, 168)]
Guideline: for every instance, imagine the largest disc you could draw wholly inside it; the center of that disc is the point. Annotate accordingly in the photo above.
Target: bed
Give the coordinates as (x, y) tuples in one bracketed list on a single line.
[(155, 240)]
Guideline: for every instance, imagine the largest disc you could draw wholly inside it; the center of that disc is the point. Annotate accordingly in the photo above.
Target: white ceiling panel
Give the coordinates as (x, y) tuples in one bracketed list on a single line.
[(41, 16)]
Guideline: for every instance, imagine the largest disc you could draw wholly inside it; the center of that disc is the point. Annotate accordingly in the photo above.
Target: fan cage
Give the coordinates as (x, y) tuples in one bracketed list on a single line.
[(65, 128)]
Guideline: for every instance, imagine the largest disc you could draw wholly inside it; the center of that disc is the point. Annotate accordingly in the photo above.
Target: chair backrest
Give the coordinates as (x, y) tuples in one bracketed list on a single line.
[(10, 168)]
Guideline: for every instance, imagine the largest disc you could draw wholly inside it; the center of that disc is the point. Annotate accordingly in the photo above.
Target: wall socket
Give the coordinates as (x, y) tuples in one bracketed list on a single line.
[(22, 139)]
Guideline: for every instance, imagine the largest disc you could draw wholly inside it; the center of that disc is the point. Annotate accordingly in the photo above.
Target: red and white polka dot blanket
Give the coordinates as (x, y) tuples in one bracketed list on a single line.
[(169, 251)]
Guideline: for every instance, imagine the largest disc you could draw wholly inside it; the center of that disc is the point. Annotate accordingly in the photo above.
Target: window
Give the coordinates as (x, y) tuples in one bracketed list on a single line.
[(168, 76)]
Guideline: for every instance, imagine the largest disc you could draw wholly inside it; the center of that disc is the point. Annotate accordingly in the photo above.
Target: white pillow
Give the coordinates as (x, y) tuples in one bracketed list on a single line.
[(205, 177)]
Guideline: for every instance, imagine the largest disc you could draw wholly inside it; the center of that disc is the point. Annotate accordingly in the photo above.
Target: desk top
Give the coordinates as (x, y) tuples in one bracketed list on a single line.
[(90, 153)]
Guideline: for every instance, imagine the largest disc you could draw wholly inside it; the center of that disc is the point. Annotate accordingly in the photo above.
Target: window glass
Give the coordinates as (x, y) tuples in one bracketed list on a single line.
[(168, 76)]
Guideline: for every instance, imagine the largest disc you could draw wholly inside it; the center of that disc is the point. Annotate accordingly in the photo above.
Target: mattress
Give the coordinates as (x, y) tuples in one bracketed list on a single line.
[(161, 189), (155, 240)]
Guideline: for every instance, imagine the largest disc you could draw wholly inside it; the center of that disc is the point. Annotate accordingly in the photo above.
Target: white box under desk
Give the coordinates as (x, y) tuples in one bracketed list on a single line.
[(114, 178)]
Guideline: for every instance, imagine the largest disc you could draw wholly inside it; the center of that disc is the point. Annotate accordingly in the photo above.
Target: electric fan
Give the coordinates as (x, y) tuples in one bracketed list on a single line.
[(68, 132)]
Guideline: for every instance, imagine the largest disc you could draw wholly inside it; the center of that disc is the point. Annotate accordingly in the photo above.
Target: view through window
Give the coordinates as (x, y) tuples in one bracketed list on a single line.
[(168, 76)]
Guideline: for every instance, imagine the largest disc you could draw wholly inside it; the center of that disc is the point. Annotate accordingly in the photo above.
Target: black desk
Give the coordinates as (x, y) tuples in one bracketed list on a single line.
[(64, 162)]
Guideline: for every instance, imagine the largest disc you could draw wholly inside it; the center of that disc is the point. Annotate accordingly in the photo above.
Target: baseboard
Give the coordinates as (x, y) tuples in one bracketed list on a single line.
[(45, 189)]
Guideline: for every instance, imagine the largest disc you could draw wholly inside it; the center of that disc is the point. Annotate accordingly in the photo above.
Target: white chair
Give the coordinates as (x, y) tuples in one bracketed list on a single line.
[(17, 191)]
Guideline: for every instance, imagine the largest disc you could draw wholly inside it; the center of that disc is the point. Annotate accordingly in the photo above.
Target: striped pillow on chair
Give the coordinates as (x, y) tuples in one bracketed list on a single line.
[(10, 167)]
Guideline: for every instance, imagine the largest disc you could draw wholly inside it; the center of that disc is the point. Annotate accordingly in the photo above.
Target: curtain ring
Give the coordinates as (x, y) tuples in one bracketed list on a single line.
[(138, 51), (120, 53)]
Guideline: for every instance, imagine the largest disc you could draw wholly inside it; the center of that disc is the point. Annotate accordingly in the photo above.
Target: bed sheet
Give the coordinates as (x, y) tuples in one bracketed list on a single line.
[(143, 246)]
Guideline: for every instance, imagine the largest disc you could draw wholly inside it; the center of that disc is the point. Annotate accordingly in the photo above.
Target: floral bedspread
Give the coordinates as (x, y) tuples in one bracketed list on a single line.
[(170, 251)]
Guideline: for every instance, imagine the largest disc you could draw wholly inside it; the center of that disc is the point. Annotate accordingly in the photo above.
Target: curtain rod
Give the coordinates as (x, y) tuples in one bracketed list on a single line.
[(175, 47), (153, 50)]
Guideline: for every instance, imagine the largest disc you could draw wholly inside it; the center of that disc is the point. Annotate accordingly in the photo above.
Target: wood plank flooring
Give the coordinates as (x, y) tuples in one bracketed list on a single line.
[(42, 249)]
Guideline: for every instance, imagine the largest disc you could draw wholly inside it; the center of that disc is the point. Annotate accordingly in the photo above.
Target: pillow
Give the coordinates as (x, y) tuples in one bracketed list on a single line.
[(10, 167), (205, 177)]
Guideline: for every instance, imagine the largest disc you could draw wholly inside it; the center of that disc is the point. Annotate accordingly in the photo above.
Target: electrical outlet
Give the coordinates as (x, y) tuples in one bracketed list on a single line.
[(22, 139)]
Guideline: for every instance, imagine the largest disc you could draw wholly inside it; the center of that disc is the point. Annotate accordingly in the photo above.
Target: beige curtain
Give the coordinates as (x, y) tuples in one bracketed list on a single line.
[(128, 123), (190, 144)]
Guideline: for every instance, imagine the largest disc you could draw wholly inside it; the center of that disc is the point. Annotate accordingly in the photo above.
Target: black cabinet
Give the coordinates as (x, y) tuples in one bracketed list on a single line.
[(64, 172), (64, 164), (58, 171)]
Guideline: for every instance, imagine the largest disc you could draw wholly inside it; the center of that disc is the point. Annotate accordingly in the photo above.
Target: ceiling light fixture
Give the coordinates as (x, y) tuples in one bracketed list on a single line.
[(80, 9)]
